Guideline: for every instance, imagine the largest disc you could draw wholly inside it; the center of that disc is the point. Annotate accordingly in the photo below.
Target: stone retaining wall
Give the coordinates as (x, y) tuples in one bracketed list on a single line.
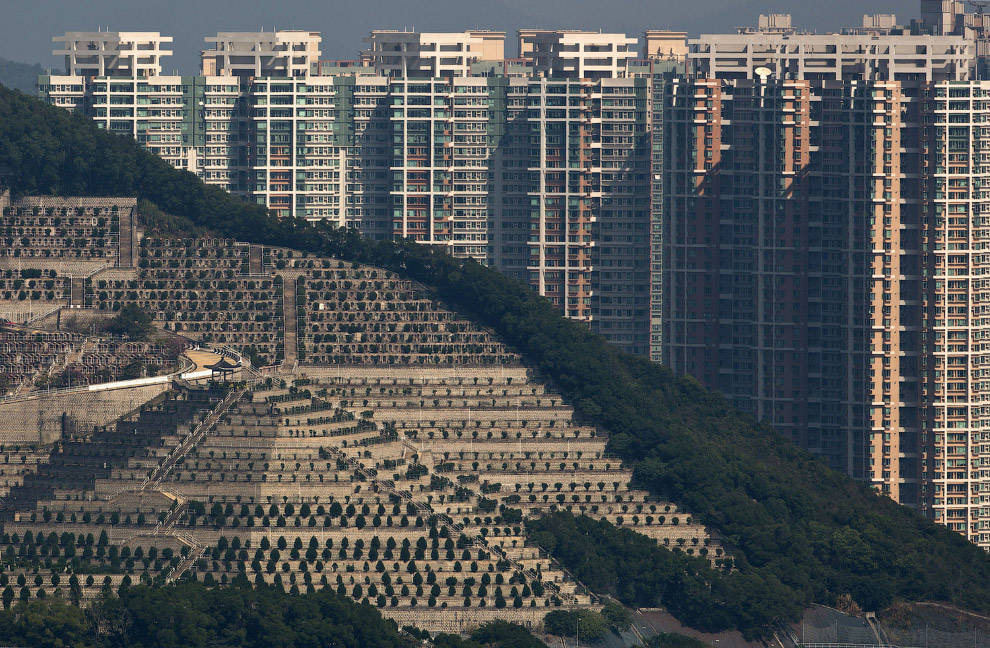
[(44, 419)]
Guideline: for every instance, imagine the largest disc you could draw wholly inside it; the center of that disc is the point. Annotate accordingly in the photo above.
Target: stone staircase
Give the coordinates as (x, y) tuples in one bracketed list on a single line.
[(256, 260), (125, 257), (77, 292), (290, 321), (155, 480)]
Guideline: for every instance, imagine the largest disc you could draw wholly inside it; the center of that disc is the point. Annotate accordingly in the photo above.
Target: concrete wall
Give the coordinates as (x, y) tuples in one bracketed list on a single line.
[(44, 419), (465, 619), (75, 320), (21, 311)]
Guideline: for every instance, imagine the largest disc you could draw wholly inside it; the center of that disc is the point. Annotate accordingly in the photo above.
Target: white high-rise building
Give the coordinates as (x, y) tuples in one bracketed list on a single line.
[(434, 137)]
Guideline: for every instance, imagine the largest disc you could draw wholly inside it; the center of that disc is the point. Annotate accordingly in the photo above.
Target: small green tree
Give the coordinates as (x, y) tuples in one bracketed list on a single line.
[(674, 640), (586, 624), (131, 322), (502, 634), (618, 617)]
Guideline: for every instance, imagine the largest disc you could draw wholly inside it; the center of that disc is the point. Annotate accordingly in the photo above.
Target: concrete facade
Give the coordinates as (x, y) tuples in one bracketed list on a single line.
[(823, 218), (99, 54), (574, 54), (410, 54), (282, 53)]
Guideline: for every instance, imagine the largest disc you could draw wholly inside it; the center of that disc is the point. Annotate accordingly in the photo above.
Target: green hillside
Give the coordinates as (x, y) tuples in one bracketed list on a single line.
[(190, 615), (797, 531), (20, 76)]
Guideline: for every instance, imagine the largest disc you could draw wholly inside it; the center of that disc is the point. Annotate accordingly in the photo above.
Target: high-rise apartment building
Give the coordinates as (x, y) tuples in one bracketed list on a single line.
[(823, 228), (956, 304), (660, 70), (435, 137), (572, 199)]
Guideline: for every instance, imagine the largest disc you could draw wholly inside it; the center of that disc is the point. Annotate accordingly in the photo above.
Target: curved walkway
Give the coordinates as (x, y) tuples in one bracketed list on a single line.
[(198, 359)]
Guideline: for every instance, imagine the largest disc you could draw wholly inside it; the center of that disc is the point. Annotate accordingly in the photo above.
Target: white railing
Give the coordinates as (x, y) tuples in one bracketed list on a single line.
[(44, 314), (182, 372), (99, 268)]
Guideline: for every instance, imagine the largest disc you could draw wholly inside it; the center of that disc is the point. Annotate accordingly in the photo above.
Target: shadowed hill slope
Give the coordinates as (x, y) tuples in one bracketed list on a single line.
[(20, 76), (799, 531)]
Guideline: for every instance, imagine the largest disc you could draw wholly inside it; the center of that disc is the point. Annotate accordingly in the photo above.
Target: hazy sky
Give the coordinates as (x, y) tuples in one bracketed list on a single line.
[(26, 26)]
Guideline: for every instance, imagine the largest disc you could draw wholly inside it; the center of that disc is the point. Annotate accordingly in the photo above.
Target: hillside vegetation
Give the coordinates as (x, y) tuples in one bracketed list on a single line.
[(20, 76), (798, 531), (191, 616)]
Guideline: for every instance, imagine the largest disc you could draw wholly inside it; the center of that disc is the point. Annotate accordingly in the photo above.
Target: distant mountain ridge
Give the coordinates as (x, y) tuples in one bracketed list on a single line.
[(20, 76)]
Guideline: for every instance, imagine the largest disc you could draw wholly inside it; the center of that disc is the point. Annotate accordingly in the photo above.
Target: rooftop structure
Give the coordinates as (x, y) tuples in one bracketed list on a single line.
[(879, 22), (510, 67), (664, 44), (431, 55), (777, 23), (790, 54), (283, 53), (347, 67), (567, 54), (107, 54), (941, 16)]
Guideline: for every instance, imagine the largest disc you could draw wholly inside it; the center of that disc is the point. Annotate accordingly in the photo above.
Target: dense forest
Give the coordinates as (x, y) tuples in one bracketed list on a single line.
[(20, 76), (190, 615), (632, 568), (497, 634), (798, 532)]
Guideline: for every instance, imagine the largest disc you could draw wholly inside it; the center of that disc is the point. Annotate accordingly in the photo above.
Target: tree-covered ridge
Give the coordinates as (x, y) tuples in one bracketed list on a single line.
[(798, 531), (20, 76), (631, 567)]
